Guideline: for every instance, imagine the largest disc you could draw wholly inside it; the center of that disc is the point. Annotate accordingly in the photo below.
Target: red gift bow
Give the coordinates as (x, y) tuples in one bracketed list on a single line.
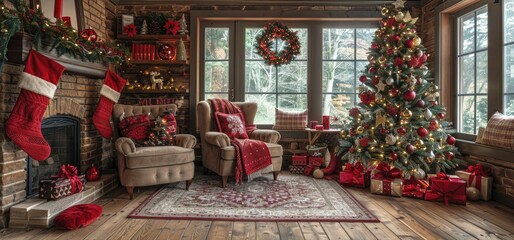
[(414, 187), (447, 191), (68, 171), (442, 176), (477, 171), (385, 172), (356, 170)]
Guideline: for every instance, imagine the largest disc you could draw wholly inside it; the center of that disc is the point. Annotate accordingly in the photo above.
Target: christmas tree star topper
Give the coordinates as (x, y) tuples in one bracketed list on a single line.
[(399, 4)]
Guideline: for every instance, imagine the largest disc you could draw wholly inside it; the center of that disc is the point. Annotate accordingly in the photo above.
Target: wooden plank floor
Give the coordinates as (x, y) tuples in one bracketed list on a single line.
[(401, 218)]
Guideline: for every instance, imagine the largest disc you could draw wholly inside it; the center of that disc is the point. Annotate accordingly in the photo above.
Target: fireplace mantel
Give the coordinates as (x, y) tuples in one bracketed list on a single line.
[(19, 47)]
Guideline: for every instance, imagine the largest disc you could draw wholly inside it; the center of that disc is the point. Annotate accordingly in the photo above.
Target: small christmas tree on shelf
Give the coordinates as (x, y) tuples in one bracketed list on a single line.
[(399, 120)]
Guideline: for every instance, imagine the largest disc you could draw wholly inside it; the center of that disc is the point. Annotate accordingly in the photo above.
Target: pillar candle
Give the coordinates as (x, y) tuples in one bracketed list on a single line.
[(58, 9), (326, 122)]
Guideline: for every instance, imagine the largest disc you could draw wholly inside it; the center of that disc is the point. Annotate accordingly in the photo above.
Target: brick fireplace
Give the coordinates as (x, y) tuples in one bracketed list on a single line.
[(76, 97)]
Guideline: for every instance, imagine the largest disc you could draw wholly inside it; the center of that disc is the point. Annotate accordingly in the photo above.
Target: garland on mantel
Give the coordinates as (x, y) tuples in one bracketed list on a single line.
[(64, 39)]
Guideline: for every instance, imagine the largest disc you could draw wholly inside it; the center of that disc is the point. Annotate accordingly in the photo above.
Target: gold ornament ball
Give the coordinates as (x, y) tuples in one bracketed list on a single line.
[(399, 17), (472, 193), (360, 129), (382, 59), (343, 134), (385, 11), (416, 40), (418, 143), (407, 113), (318, 173)]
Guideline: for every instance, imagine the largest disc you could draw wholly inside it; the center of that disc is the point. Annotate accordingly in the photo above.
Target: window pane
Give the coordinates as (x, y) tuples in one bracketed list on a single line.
[(467, 74), (302, 37), (292, 102), (467, 33), (482, 72), (293, 77), (259, 77), (482, 28), (481, 112), (216, 44), (338, 43), (216, 95), (467, 113), (216, 76), (509, 69), (338, 77), (266, 107), (509, 105), (364, 38), (508, 14), (250, 51), (338, 105)]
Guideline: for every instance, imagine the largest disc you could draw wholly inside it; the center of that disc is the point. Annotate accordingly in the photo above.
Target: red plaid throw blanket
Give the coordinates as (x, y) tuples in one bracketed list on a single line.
[(251, 155)]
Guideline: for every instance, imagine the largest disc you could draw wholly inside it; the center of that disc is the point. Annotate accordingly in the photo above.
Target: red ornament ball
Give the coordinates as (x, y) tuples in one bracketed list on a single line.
[(422, 132), (372, 69), (409, 95), (166, 52), (449, 155), (375, 81), (441, 115), (401, 130), (383, 131), (450, 140), (354, 112), (93, 173), (390, 51), (395, 92), (364, 142), (363, 79), (414, 62), (352, 150), (434, 103), (391, 22), (420, 103), (398, 61), (410, 149), (89, 35), (393, 156), (374, 45), (409, 43), (392, 110)]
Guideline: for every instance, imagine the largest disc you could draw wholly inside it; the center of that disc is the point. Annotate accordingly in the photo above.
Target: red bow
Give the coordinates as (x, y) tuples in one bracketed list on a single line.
[(70, 172), (442, 176), (357, 169), (477, 171), (384, 171)]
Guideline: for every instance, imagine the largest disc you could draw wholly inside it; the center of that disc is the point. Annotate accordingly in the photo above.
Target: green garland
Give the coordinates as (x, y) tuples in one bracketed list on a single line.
[(273, 31), (65, 40)]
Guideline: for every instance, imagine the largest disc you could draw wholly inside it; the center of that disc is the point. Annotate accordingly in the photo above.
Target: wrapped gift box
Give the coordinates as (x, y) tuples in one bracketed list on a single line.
[(53, 189), (316, 161), (309, 169), (414, 188), (476, 177), (354, 175), (447, 189), (298, 160), (297, 169), (387, 186)]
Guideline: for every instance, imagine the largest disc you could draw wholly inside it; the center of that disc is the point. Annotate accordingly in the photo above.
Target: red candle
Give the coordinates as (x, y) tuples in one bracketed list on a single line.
[(326, 122), (58, 9)]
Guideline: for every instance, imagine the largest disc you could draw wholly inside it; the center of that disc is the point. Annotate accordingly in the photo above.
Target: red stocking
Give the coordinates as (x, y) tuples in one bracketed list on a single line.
[(38, 84), (109, 95)]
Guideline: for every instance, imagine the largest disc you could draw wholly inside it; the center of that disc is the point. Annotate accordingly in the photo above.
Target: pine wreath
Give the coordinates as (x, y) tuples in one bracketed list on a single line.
[(274, 31)]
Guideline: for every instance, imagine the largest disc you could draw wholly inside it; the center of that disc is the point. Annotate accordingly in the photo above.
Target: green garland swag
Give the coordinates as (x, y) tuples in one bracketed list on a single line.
[(274, 31), (64, 39)]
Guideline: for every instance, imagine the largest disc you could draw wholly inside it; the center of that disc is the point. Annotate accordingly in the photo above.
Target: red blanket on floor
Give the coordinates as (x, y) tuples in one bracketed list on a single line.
[(251, 155)]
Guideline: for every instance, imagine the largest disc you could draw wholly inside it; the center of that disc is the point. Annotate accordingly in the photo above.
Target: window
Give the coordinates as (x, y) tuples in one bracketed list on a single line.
[(472, 70), (283, 87), (344, 58), (508, 52), (216, 62)]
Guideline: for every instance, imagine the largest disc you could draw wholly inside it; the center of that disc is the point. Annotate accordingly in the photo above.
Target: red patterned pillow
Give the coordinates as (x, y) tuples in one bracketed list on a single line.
[(135, 127), (232, 125), (499, 131), (290, 120)]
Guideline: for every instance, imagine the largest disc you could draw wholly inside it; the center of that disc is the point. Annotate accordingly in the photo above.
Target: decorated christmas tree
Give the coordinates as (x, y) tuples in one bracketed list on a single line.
[(399, 120)]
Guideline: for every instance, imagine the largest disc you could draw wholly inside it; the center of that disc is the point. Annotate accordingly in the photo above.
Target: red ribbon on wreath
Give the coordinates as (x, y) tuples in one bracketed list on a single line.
[(130, 30), (70, 172), (172, 27)]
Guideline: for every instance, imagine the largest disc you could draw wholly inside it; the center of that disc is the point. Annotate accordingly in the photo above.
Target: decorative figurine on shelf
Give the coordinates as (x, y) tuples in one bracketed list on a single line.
[(156, 79), (181, 51), (144, 28), (183, 25)]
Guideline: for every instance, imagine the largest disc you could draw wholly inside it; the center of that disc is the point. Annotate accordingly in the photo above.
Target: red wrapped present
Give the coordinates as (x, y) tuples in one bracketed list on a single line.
[(446, 189), (316, 161), (298, 160), (386, 180), (477, 176), (354, 175), (308, 170), (53, 189), (296, 169), (414, 188)]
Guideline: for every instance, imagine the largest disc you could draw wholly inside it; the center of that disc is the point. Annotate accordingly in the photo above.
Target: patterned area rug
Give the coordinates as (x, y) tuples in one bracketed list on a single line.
[(290, 198)]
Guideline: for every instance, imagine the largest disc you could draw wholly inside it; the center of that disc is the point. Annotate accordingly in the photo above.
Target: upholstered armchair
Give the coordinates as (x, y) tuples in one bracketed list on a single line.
[(217, 153), (145, 166)]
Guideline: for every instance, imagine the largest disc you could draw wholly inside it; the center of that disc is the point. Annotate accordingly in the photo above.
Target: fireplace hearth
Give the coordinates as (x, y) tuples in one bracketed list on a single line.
[(62, 133)]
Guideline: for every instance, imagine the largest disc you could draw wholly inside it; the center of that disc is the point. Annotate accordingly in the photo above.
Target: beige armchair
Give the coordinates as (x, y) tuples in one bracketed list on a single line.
[(145, 166), (217, 153)]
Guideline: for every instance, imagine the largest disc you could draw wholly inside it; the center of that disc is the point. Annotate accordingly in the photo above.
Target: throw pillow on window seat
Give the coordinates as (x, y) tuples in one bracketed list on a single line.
[(232, 125), (287, 120), (499, 131)]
